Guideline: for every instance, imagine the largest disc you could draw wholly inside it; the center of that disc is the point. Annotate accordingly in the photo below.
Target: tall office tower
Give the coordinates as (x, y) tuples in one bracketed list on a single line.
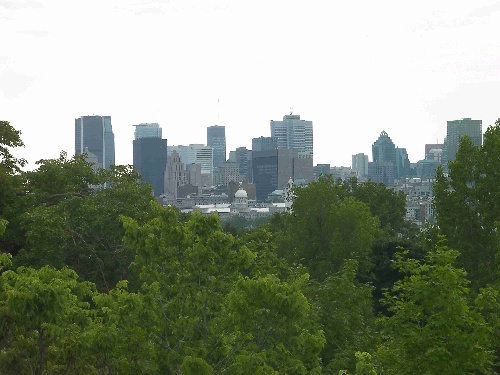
[(216, 138), (383, 149), (294, 133), (95, 133), (150, 155), (147, 130), (264, 143), (273, 168), (457, 129), (360, 164)]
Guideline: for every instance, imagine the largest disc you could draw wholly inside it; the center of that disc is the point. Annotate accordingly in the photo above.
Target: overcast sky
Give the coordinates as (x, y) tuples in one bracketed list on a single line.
[(354, 68)]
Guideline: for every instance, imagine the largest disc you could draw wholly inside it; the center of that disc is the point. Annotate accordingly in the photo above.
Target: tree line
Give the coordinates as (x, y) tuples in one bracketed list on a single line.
[(97, 278)]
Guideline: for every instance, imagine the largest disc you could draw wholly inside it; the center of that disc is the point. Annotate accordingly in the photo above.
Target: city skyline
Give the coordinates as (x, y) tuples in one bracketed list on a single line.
[(353, 69)]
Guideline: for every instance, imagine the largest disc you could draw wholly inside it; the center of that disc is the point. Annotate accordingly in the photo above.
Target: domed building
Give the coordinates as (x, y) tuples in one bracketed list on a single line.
[(240, 202)]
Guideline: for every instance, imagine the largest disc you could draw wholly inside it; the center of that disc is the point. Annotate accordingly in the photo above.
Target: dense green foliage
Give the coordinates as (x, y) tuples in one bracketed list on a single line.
[(468, 206), (97, 278)]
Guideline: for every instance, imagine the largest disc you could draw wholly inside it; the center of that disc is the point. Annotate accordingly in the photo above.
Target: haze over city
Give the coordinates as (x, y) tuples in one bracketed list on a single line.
[(354, 69)]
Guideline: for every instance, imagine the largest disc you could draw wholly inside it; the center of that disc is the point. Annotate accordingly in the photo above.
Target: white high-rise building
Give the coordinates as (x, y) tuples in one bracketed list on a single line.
[(203, 155), (294, 133)]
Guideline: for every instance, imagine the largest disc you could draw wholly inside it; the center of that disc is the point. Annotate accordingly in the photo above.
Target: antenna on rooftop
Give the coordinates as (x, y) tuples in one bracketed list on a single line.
[(218, 111), (291, 110)]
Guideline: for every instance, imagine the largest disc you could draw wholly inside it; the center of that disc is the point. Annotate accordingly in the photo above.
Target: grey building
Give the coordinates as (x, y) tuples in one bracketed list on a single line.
[(216, 138), (294, 133), (95, 134), (456, 129)]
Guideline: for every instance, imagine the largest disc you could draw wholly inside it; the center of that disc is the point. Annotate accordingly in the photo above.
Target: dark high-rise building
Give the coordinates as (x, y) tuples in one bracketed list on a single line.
[(150, 156), (264, 143), (457, 129), (273, 168), (216, 138), (95, 134)]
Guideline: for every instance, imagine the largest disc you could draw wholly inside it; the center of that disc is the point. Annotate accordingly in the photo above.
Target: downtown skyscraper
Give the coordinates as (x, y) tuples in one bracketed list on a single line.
[(294, 133), (216, 139), (95, 134), (150, 155)]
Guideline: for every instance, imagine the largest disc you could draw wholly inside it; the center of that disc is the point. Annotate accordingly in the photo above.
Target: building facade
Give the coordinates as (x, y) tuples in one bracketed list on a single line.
[(95, 133), (264, 143), (294, 133), (226, 173)]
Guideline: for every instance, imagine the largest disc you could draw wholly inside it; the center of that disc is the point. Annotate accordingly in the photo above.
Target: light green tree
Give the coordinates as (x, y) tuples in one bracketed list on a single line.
[(272, 329), (195, 266), (42, 315)]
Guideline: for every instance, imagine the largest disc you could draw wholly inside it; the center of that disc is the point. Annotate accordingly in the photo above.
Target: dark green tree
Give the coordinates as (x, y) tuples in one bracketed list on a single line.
[(467, 203), (74, 218), (343, 307), (433, 327), (325, 229), (11, 185)]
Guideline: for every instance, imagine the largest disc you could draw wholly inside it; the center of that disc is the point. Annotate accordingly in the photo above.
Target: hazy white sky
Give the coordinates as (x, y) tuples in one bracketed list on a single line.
[(354, 68)]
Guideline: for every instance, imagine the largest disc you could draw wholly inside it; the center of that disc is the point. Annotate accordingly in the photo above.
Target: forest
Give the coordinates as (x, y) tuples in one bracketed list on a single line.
[(97, 278)]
